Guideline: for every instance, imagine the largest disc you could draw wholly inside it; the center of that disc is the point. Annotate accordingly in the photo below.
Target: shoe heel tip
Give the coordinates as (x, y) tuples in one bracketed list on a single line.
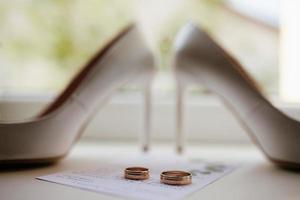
[(179, 150), (145, 148)]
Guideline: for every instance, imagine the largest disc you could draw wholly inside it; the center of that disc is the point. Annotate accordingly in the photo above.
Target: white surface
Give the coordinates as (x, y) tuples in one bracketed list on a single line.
[(109, 177), (255, 179)]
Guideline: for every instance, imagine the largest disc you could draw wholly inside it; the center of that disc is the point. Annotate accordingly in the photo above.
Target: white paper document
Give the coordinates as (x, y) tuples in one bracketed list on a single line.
[(109, 178)]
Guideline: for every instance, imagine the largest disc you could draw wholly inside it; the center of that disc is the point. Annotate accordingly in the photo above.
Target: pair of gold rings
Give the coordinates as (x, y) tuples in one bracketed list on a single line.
[(166, 177)]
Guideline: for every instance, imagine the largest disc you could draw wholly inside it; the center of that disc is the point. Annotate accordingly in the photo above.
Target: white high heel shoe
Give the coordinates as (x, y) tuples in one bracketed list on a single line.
[(50, 136), (199, 59)]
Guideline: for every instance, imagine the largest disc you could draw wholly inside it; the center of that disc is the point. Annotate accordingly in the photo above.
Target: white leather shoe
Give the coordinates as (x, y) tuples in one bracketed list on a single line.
[(200, 60), (50, 136)]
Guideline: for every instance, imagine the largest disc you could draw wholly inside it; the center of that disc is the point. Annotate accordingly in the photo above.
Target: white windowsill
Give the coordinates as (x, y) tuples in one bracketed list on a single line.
[(206, 119)]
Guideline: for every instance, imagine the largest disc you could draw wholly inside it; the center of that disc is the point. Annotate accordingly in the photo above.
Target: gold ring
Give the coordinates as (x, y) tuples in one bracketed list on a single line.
[(136, 173), (176, 177)]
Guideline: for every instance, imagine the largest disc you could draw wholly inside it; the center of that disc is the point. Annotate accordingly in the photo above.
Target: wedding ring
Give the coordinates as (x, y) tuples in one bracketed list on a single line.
[(136, 173), (176, 177)]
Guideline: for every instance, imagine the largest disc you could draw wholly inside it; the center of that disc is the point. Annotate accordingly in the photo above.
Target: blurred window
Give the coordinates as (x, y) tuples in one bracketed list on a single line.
[(44, 43)]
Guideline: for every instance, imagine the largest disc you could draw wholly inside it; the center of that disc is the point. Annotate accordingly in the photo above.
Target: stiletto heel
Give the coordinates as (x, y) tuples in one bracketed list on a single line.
[(180, 138), (50, 136), (200, 59), (146, 132)]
